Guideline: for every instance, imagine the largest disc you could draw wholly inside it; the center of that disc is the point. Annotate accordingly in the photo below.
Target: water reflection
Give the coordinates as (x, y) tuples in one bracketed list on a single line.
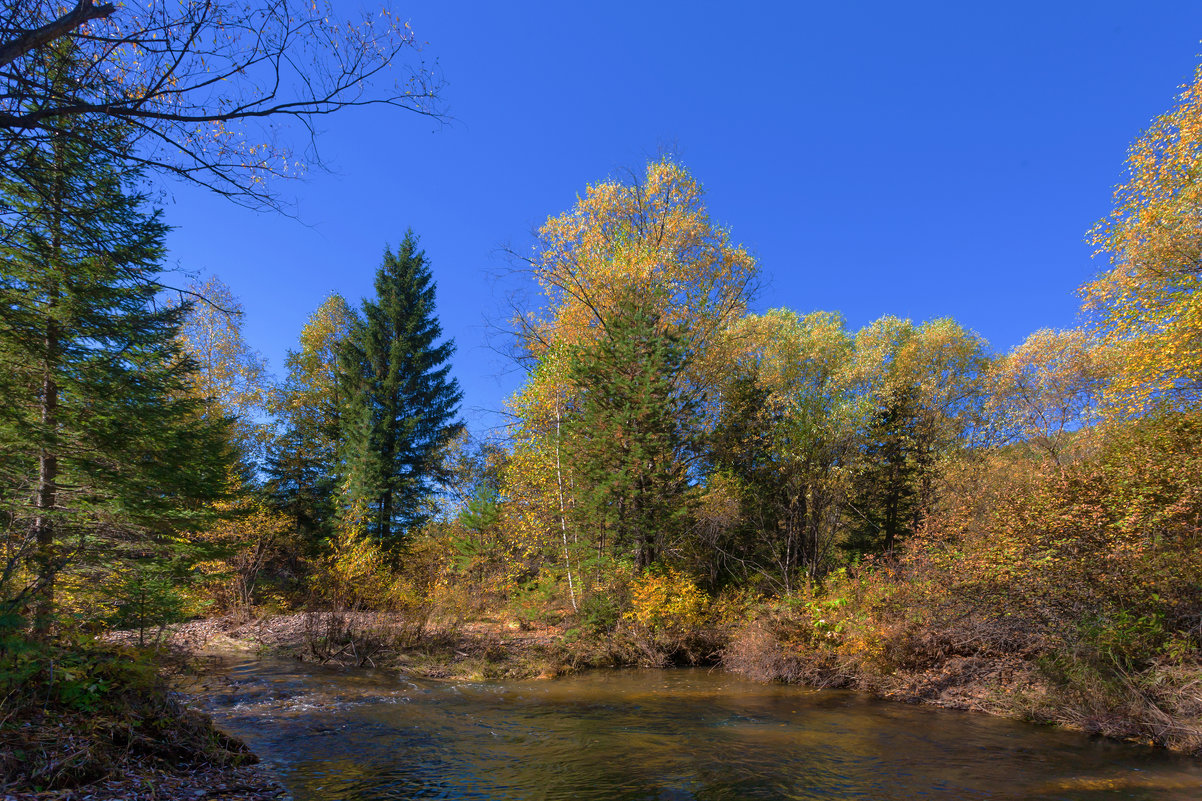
[(680, 734)]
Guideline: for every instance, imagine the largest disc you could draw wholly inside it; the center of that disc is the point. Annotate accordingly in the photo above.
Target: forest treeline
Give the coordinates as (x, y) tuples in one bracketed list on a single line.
[(682, 479)]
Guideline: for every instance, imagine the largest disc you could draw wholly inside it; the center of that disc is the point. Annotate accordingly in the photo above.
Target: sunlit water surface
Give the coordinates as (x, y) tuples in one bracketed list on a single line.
[(672, 734)]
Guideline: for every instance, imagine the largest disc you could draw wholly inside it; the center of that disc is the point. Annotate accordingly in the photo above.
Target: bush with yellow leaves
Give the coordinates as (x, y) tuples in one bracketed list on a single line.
[(667, 601), (371, 606), (668, 619)]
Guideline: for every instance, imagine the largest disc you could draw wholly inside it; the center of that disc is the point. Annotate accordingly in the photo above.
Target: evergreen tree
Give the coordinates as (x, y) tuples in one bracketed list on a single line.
[(302, 464), (100, 433), (745, 447), (886, 492), (401, 405), (629, 444)]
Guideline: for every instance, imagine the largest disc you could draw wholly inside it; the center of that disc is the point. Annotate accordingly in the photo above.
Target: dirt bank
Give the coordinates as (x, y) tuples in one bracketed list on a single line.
[(155, 783), (1009, 685), (472, 651)]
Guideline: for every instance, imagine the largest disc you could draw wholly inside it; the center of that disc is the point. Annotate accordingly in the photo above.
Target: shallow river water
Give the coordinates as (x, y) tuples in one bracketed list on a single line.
[(672, 734)]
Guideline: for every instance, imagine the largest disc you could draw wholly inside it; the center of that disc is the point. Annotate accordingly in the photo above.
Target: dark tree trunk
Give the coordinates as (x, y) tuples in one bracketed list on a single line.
[(46, 491)]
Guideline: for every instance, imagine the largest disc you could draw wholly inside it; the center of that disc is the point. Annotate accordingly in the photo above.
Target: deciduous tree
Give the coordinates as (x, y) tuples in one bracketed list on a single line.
[(201, 86), (650, 237), (303, 458), (230, 373), (1047, 388), (1146, 306), (788, 425)]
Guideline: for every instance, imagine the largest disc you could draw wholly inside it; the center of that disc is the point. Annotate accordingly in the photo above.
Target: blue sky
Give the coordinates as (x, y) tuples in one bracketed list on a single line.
[(916, 159)]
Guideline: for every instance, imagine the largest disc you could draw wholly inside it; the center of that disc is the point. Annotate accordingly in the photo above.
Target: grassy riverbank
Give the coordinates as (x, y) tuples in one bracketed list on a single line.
[(99, 721)]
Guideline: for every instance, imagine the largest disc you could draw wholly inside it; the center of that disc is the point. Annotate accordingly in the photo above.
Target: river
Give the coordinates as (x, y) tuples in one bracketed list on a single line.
[(642, 734)]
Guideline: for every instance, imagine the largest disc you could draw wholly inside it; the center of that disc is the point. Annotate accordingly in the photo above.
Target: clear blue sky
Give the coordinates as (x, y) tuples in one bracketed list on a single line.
[(918, 159)]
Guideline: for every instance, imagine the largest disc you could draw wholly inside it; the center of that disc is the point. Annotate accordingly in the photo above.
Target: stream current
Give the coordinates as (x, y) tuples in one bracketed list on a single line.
[(642, 734)]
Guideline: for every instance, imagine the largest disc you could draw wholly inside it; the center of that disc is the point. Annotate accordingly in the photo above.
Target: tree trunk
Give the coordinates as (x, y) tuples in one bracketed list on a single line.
[(385, 517), (563, 517), (891, 518), (46, 490)]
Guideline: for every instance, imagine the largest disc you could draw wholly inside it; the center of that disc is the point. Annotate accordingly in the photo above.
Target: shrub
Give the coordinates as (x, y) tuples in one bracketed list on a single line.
[(667, 601), (147, 598), (599, 612)]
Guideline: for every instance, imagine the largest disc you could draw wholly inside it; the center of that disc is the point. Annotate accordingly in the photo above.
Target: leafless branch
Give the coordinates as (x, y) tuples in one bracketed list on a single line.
[(206, 88)]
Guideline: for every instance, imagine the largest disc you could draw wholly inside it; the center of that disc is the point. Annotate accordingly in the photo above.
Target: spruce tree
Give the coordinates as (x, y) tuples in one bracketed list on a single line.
[(101, 436), (630, 441), (886, 493), (401, 405)]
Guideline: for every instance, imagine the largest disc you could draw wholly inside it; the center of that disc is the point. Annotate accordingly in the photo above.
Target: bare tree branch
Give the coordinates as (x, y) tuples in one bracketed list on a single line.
[(18, 45), (206, 88)]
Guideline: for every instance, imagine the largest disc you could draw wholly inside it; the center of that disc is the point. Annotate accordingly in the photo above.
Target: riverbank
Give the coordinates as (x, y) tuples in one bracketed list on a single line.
[(928, 669), (153, 783), (470, 652), (91, 721)]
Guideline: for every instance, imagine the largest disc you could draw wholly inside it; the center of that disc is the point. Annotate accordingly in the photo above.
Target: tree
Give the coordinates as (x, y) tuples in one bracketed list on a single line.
[(629, 442), (786, 430), (230, 373), (401, 404), (886, 499), (923, 389), (102, 431), (1145, 306), (200, 86), (650, 237), (303, 459), (1046, 389)]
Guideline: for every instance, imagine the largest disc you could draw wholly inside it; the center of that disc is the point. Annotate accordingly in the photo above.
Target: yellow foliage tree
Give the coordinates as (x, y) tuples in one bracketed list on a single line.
[(651, 238), (248, 537), (791, 449), (303, 456), (1146, 306), (356, 574), (231, 373), (1047, 388)]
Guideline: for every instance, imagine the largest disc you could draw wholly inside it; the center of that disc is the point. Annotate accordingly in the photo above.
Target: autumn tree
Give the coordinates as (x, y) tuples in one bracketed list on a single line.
[(247, 540), (649, 237), (924, 390), (401, 404), (787, 426), (303, 458), (202, 87), (1145, 306), (230, 373), (103, 434), (1047, 389)]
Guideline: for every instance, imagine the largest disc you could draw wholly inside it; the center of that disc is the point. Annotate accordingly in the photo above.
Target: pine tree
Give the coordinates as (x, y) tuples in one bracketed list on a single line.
[(100, 433), (401, 405), (629, 443)]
